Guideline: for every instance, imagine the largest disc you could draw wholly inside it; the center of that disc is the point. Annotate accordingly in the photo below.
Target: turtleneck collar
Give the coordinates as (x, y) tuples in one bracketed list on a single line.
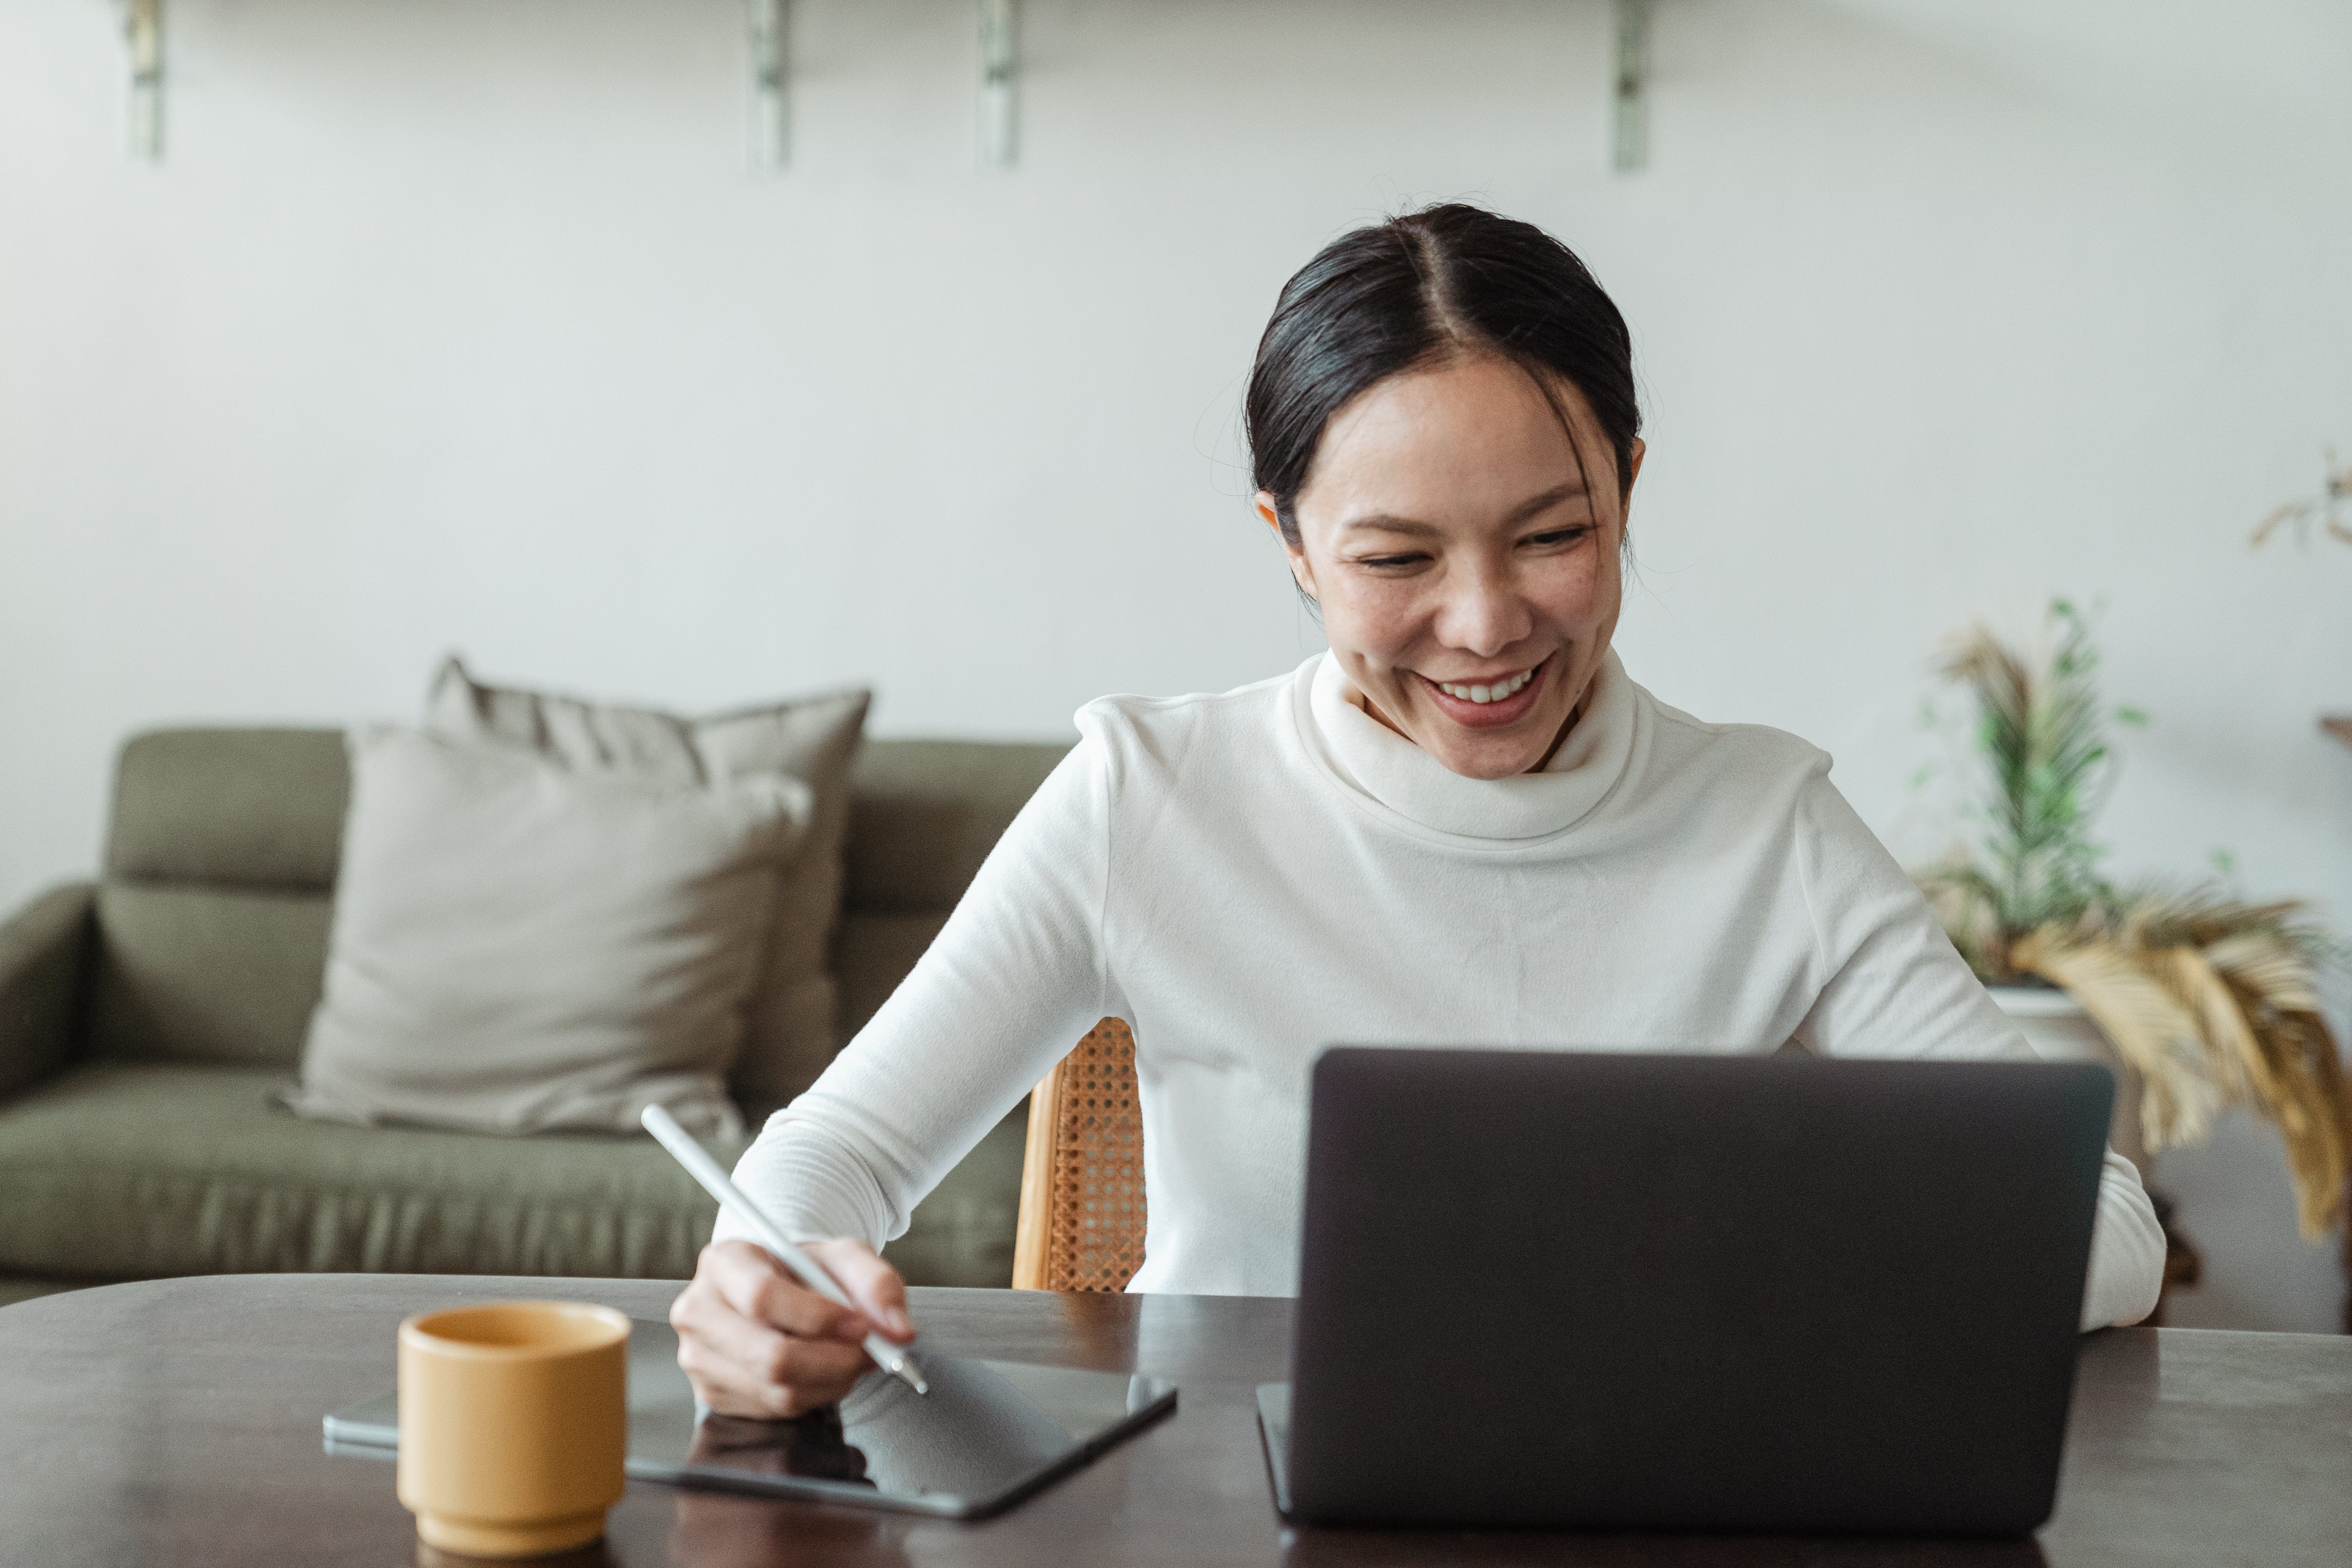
[(1395, 778)]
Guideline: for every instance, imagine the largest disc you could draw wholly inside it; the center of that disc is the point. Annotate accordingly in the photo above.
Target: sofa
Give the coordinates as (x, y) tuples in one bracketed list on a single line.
[(144, 1018)]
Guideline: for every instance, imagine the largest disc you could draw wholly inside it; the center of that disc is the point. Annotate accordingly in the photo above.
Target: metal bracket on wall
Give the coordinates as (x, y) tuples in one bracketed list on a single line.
[(770, 110), (1629, 121), (999, 66), (142, 28)]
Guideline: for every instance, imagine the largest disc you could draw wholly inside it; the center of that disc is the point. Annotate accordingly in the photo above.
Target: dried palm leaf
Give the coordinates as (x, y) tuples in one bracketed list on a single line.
[(2150, 1029), (2272, 970), (2234, 1024)]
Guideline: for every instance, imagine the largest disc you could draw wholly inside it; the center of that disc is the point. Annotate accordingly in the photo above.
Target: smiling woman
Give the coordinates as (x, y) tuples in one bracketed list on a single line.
[(1463, 824), (1445, 431)]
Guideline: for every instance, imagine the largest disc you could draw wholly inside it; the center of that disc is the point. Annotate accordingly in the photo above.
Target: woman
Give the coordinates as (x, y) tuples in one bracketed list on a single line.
[(1463, 823)]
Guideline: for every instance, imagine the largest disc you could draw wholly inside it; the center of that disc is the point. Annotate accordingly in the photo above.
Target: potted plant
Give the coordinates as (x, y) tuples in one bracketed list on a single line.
[(2199, 998)]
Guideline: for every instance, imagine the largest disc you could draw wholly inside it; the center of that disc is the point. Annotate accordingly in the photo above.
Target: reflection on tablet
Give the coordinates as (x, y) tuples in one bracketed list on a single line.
[(809, 1445)]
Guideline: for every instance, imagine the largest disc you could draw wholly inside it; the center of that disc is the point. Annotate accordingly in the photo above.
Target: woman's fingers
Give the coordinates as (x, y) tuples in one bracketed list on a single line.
[(754, 1342), (874, 1285), (761, 1288), (760, 1372)]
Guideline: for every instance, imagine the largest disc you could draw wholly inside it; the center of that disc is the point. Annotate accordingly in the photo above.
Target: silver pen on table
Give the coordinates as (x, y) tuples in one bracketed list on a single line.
[(896, 1360)]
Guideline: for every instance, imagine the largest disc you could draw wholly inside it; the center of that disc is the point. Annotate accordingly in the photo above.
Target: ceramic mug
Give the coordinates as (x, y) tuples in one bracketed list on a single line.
[(514, 1424)]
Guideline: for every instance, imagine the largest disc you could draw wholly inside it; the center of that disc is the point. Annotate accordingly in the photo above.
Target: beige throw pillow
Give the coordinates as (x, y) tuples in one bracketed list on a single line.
[(519, 946), (789, 1035)]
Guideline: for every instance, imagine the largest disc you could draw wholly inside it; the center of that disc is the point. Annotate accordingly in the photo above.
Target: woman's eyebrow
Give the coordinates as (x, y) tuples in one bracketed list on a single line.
[(1534, 506), (1389, 523)]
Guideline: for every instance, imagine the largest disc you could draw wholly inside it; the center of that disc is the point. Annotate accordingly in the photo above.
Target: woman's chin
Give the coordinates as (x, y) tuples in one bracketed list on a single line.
[(1488, 753)]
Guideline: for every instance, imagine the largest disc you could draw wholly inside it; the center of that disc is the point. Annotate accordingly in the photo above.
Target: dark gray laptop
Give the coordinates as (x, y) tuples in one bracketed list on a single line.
[(1687, 1292)]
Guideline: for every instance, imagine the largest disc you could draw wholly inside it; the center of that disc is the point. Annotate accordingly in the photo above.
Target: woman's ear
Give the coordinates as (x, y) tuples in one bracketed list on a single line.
[(1300, 573), (1625, 501)]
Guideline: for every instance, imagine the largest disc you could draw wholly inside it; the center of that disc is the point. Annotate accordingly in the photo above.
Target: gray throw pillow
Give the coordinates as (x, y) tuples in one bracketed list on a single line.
[(520, 946), (789, 1033)]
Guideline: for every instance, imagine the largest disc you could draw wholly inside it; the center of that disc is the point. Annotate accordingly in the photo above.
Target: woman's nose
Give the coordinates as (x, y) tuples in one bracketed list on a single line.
[(1484, 615)]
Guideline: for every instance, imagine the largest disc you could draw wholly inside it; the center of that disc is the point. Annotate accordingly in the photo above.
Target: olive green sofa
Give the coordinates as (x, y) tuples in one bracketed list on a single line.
[(143, 1019)]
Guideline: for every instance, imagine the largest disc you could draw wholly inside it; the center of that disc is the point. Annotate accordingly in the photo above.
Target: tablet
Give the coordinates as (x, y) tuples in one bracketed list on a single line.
[(989, 1434)]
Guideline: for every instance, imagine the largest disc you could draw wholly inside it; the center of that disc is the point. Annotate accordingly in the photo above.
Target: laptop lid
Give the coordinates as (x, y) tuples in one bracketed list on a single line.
[(1690, 1292)]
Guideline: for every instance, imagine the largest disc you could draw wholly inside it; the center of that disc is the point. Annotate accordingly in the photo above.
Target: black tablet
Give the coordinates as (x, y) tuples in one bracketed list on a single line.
[(988, 1434)]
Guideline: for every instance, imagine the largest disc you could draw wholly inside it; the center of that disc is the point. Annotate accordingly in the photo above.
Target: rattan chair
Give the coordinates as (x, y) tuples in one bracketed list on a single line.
[(1082, 1178)]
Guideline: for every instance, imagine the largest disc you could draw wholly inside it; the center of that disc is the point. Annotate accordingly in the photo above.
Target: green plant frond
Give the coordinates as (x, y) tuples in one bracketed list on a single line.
[(1956, 876), (2150, 1029), (2039, 735)]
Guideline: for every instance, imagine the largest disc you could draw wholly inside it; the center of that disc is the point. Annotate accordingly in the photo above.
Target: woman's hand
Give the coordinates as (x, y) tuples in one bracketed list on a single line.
[(755, 1342)]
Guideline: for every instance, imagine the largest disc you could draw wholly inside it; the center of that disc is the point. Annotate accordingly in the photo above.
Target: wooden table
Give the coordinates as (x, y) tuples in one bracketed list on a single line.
[(177, 1422)]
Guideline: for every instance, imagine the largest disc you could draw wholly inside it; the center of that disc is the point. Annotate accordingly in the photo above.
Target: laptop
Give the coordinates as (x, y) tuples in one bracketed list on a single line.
[(1608, 1291)]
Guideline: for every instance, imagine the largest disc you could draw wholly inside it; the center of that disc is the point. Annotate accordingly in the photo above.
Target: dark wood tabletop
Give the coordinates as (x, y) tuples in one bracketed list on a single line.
[(177, 1422)]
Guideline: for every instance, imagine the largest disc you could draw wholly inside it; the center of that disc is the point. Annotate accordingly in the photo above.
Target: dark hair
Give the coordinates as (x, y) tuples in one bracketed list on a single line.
[(1413, 292)]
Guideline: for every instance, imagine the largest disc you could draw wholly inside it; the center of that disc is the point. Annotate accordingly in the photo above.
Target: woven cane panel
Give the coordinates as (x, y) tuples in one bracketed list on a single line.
[(1095, 1239)]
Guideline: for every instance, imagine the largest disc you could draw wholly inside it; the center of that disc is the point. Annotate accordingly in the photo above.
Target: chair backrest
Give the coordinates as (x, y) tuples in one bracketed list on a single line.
[(1082, 1211)]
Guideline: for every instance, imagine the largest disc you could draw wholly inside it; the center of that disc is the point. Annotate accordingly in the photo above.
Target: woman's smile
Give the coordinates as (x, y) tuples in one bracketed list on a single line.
[(1486, 702)]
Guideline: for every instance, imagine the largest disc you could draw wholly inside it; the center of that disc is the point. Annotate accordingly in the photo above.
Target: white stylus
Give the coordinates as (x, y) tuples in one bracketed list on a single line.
[(896, 1360)]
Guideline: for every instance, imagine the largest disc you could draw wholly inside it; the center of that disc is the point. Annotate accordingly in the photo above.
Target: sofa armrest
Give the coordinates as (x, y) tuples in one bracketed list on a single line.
[(43, 948)]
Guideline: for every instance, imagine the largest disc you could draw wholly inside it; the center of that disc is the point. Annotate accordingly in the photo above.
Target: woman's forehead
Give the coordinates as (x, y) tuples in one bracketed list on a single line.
[(1469, 441)]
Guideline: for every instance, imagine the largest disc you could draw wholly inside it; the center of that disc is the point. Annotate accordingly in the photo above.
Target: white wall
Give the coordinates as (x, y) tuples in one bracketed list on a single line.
[(457, 323)]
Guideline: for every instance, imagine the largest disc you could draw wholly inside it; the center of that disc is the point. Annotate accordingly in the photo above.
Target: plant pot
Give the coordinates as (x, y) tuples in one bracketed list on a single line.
[(2060, 1030)]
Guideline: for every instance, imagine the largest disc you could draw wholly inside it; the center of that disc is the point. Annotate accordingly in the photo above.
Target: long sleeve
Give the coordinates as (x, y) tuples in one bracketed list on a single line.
[(1015, 978), (1896, 987)]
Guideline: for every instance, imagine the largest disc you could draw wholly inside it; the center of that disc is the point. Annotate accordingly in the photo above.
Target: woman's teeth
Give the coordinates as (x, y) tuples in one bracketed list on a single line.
[(1487, 693)]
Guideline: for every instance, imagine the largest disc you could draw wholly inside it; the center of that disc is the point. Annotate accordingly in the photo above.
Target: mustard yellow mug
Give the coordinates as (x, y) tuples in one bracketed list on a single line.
[(514, 1424)]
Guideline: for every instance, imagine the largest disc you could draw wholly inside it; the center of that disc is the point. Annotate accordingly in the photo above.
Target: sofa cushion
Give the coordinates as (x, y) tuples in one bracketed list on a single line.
[(212, 918), (521, 946), (873, 954), (244, 807), (119, 1171), (201, 972), (123, 1171), (788, 1031), (43, 951), (925, 814)]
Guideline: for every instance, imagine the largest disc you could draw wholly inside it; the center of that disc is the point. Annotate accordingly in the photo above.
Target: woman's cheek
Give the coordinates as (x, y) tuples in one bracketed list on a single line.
[(1380, 616), (1573, 595)]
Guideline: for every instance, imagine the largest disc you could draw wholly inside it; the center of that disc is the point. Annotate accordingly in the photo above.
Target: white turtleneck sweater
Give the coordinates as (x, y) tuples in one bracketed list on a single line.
[(1246, 877)]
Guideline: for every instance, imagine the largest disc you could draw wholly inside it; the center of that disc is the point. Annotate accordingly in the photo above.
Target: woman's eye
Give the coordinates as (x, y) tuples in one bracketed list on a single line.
[(1556, 536), (1390, 562)]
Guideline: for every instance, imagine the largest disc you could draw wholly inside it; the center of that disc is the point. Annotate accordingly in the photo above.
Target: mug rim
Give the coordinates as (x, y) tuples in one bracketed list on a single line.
[(418, 1329)]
